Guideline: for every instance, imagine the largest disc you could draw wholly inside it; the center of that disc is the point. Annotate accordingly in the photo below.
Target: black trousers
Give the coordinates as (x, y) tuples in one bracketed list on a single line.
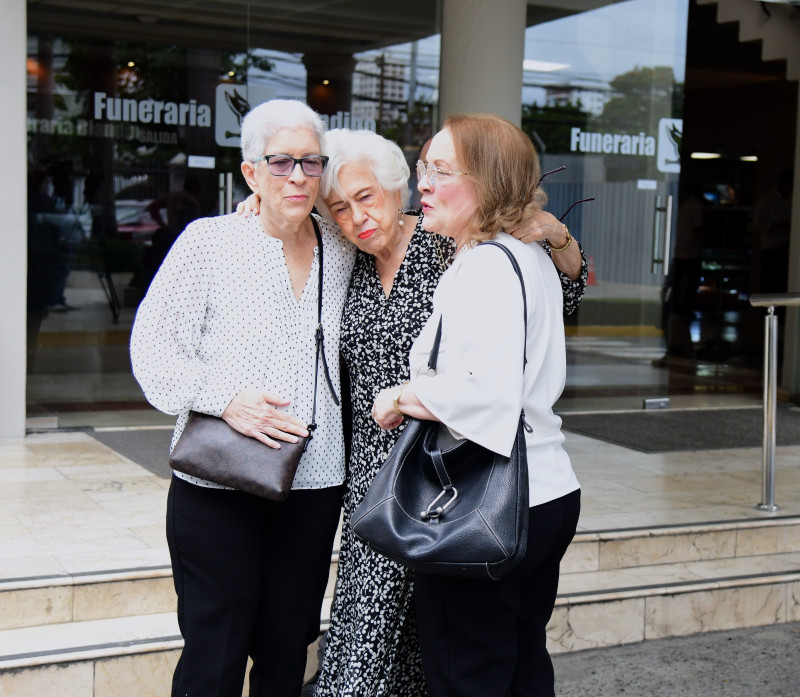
[(250, 575), (487, 638)]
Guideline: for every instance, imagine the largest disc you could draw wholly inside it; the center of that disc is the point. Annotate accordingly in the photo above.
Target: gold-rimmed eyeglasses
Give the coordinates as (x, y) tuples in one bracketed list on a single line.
[(431, 171)]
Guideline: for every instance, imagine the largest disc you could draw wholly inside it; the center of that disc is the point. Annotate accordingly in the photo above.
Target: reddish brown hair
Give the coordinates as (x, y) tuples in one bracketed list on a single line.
[(503, 165)]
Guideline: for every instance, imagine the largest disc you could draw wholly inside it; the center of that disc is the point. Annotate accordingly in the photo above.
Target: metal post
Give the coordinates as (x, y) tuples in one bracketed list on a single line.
[(225, 190), (770, 390), (770, 403)]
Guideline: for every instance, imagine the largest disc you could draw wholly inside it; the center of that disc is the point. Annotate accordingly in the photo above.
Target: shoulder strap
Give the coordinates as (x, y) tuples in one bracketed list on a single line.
[(320, 338), (434, 355), (518, 271)]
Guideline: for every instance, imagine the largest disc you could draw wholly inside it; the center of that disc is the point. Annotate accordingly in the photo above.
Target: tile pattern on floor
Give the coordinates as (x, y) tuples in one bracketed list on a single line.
[(70, 505)]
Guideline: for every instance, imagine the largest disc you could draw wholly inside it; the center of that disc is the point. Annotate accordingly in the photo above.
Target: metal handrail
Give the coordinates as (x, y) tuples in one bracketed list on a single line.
[(770, 301)]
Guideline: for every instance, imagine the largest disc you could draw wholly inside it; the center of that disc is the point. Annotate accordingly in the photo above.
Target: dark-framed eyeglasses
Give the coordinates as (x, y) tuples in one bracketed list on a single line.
[(283, 165), (583, 200), (430, 170)]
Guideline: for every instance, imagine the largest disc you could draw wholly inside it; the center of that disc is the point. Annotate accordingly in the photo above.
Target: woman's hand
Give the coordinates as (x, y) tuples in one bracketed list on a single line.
[(544, 226), (539, 227), (249, 206), (383, 410), (254, 413)]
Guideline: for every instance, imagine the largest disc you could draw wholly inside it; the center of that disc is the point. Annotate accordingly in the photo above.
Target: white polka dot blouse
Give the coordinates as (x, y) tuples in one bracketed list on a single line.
[(220, 317)]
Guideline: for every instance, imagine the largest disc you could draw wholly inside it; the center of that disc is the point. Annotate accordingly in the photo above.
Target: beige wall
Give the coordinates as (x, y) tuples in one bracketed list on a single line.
[(483, 45), (13, 204)]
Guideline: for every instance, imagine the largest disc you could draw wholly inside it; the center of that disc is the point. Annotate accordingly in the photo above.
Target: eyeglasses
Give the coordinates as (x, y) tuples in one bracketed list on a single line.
[(583, 200), (431, 171), (283, 165)]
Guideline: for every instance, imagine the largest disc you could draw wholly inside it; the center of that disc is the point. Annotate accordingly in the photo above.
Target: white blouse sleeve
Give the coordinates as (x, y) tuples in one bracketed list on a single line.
[(166, 335), (477, 391)]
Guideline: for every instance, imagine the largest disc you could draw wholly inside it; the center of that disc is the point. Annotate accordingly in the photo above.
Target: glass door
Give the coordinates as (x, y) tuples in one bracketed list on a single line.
[(603, 96)]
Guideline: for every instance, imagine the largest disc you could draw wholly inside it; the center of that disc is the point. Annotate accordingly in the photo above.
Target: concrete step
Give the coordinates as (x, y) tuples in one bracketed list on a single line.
[(117, 630), (666, 544), (626, 605), (43, 600), (94, 658), (33, 601)]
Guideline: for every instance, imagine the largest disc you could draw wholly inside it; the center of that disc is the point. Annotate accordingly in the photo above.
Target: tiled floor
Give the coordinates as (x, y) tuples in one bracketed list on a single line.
[(70, 505)]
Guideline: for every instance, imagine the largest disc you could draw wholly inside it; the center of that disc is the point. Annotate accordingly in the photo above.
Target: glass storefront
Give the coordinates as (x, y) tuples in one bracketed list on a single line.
[(603, 97), (133, 123), (129, 139)]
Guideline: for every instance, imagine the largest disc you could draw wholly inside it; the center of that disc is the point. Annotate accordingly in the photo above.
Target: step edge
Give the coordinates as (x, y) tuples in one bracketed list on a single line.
[(79, 654), (676, 588), (684, 529), (85, 578)]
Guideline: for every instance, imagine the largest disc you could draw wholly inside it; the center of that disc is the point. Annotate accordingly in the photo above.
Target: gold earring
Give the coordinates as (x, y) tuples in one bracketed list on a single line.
[(400, 220)]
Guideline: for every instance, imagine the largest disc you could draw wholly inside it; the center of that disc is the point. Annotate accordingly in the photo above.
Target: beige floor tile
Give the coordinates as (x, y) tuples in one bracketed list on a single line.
[(30, 567), (35, 606), (578, 627), (72, 679), (689, 613), (143, 675)]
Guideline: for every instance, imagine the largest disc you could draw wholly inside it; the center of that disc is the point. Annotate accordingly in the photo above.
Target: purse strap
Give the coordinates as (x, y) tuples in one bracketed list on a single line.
[(434, 354), (437, 339), (320, 339)]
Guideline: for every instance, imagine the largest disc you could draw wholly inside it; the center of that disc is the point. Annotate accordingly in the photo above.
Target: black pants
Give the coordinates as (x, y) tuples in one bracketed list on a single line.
[(250, 575), (487, 638)]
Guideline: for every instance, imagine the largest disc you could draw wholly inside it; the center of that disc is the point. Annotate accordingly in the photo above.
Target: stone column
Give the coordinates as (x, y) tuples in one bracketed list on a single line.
[(483, 46), (13, 195)]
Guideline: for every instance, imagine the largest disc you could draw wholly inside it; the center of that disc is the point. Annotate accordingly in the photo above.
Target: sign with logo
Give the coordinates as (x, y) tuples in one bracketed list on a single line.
[(233, 102), (666, 148), (670, 133)]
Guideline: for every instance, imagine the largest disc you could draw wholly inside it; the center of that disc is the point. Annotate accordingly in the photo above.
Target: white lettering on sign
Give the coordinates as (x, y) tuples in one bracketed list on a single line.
[(612, 143), (343, 119), (152, 111)]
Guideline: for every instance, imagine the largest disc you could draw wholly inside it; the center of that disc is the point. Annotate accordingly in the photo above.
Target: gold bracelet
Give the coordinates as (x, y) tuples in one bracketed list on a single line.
[(569, 241), (396, 401)]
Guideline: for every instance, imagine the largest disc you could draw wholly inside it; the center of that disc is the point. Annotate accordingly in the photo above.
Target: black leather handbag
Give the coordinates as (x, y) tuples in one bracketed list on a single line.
[(210, 449), (462, 511)]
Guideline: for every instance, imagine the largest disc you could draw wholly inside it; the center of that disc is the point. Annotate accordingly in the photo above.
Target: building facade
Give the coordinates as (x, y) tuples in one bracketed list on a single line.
[(678, 117)]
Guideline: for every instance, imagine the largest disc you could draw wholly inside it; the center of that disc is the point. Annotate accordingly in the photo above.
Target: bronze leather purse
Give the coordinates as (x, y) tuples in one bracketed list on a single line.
[(210, 449)]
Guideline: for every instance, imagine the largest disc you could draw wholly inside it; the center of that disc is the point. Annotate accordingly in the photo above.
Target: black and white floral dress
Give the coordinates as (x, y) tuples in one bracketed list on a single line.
[(372, 647)]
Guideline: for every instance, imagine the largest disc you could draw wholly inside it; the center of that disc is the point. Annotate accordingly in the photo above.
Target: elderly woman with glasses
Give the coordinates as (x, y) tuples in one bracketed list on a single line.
[(228, 328), (371, 647), (482, 637)]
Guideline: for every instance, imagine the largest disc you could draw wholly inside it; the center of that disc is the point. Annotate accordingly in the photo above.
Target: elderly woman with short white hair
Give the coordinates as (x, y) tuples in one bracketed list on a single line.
[(228, 329)]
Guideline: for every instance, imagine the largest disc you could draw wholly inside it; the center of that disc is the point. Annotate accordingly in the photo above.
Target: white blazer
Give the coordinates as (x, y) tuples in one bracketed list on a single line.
[(478, 389)]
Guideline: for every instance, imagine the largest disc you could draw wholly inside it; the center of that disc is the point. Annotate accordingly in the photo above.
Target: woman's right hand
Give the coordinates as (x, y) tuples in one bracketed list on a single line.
[(254, 413), (249, 206)]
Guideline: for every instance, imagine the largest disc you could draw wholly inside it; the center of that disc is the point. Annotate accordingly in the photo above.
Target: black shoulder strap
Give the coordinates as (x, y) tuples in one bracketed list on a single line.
[(320, 338), (518, 271), (434, 355)]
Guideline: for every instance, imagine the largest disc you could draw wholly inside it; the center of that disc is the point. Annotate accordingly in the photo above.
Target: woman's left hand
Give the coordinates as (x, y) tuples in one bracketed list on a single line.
[(545, 227), (540, 226), (383, 409), (250, 206)]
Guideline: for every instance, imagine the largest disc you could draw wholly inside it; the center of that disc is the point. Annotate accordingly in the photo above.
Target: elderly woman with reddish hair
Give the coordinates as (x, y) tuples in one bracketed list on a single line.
[(487, 638)]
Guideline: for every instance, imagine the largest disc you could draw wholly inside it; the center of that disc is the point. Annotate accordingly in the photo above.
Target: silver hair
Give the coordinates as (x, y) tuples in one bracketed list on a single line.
[(265, 120), (383, 157)]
